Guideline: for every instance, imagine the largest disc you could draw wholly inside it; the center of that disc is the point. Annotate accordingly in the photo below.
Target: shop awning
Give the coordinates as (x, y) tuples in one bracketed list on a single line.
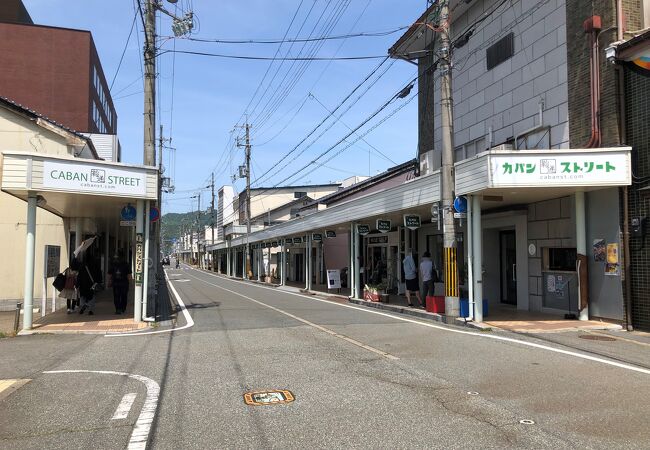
[(76, 187)]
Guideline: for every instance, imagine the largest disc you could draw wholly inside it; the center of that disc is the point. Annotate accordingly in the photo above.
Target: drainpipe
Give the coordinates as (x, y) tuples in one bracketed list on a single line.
[(592, 26)]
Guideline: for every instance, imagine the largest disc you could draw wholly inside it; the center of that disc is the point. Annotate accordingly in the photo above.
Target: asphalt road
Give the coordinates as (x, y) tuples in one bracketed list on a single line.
[(361, 379)]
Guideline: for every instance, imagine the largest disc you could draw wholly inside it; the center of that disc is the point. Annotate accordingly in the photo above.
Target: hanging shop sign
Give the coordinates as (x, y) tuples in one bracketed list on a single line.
[(317, 237), (274, 244), (575, 169), (363, 229), (297, 240), (139, 258), (93, 178), (330, 234), (383, 225), (412, 221)]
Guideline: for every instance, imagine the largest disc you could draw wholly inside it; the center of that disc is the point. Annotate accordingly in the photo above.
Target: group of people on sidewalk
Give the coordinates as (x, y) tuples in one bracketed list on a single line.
[(83, 280), (427, 272)]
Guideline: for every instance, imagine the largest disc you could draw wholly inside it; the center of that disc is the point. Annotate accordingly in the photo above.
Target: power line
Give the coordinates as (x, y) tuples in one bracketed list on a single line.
[(126, 45), (281, 41)]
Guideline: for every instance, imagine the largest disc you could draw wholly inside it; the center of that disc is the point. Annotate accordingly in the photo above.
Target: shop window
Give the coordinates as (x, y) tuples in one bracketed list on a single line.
[(560, 259)]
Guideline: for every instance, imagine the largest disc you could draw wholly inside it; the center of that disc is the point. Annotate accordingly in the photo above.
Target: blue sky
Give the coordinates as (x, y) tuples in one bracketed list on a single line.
[(211, 94)]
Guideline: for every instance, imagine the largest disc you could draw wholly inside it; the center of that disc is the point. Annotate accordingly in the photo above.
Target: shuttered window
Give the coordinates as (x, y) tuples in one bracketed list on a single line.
[(500, 51)]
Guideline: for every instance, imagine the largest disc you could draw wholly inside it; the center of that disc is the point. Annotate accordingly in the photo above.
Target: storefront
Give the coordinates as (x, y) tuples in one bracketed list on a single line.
[(89, 196)]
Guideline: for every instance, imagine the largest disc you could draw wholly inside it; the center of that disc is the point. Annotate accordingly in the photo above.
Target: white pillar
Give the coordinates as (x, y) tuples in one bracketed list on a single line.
[(228, 260), (147, 259), (30, 248), (581, 247), (268, 267), (107, 250), (477, 258), (358, 289), (308, 262), (139, 261), (283, 263), (259, 259), (351, 283)]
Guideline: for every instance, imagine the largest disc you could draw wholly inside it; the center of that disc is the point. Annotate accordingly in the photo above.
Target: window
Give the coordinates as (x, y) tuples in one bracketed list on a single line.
[(562, 259), (299, 194), (501, 51)]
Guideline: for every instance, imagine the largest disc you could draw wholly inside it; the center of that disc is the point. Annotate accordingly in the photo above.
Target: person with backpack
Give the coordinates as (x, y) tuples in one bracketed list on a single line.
[(119, 276)]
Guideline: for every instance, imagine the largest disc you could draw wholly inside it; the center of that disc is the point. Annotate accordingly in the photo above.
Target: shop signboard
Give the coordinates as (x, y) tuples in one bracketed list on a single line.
[(363, 229), (316, 237), (274, 244), (377, 240), (412, 221), (383, 225), (93, 178), (330, 234), (52, 261), (334, 279), (297, 240), (139, 258), (575, 169)]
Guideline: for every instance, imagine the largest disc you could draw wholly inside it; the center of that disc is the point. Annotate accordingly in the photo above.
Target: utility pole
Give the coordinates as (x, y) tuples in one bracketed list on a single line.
[(247, 147), (150, 84), (212, 208), (198, 231), (452, 304)]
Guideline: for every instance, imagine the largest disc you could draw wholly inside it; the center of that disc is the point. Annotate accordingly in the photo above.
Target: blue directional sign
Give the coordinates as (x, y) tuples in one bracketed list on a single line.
[(128, 213), (460, 204)]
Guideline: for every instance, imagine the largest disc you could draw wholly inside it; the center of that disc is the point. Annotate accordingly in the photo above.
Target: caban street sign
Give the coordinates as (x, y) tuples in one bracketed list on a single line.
[(363, 229), (383, 226), (412, 221), (93, 178), (561, 170)]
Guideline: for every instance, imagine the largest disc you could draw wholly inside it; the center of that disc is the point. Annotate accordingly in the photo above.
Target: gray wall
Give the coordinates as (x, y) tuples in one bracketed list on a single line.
[(605, 292)]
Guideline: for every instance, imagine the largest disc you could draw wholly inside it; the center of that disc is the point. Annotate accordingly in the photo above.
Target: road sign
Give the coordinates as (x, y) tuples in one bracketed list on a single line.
[(154, 214), (460, 204), (128, 213), (383, 226)]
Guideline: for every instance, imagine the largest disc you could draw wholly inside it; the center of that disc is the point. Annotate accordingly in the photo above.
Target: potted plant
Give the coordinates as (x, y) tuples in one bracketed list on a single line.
[(375, 292)]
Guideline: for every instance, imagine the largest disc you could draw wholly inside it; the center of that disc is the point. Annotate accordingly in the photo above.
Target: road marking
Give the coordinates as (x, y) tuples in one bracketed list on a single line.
[(142, 427), (188, 318), (451, 330), (7, 387), (123, 409), (307, 322)]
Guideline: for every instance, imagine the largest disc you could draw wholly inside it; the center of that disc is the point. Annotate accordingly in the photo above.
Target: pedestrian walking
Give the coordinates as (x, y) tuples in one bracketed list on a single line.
[(87, 284), (119, 275), (411, 276), (426, 274), (69, 291)]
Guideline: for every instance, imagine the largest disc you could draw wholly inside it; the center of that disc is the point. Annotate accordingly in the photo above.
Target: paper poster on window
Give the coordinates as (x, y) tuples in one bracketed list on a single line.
[(599, 250), (550, 283), (612, 253)]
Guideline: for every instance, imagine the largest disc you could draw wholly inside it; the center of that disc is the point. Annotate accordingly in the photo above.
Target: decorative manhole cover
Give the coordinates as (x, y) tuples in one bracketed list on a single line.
[(596, 337), (262, 398)]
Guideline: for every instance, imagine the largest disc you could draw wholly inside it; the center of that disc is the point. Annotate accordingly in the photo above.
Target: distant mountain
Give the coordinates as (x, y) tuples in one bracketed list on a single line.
[(173, 225)]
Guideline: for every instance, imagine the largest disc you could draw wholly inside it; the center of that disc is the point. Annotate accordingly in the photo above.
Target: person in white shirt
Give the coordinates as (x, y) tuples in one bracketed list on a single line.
[(426, 274), (411, 276)]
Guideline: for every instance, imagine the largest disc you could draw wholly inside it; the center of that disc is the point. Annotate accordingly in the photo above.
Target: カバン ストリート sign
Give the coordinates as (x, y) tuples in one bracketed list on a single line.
[(93, 178)]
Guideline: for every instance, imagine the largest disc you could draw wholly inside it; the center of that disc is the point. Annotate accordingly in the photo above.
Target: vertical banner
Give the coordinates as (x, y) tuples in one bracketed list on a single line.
[(139, 258)]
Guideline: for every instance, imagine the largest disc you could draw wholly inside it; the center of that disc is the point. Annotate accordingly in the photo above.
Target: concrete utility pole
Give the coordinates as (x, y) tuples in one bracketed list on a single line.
[(212, 208), (150, 84), (198, 231), (247, 147), (452, 304)]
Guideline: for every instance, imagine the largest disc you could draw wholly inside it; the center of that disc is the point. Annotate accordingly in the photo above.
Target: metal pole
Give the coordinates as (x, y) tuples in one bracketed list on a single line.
[(452, 305), (581, 250), (138, 261), (477, 257), (350, 280), (248, 198), (147, 260), (470, 254), (30, 248), (283, 263)]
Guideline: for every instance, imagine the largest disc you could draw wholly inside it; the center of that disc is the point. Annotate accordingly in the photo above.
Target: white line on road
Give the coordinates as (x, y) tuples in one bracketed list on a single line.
[(123, 409), (142, 427), (306, 322), (188, 319), (452, 330)]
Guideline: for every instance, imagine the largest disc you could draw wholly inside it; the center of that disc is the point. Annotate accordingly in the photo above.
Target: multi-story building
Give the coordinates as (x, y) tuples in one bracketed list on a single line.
[(57, 72), (537, 143)]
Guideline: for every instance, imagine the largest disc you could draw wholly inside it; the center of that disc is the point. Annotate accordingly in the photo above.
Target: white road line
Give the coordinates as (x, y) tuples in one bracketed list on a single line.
[(306, 322), (452, 330), (123, 409), (142, 427), (188, 319)]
